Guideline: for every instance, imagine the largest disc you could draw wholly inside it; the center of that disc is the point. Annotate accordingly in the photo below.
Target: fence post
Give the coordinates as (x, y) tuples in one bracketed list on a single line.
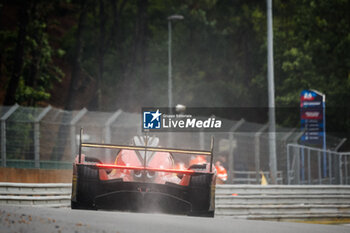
[(201, 139), (296, 159), (230, 159), (330, 166), (37, 135), (72, 124), (257, 151), (340, 169), (319, 167), (297, 166), (231, 148), (336, 170), (108, 123), (302, 157), (285, 147), (346, 169), (340, 144), (288, 165), (3, 132), (339, 161), (308, 166)]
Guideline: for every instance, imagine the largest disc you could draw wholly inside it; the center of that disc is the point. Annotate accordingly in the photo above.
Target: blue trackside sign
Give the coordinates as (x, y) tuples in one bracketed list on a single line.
[(313, 122), (312, 117)]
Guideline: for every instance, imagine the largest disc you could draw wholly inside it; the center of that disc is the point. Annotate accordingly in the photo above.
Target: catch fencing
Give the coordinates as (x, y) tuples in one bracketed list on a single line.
[(48, 138), (308, 165)]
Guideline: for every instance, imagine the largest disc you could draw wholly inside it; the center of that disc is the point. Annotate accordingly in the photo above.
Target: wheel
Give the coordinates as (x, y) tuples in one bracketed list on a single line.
[(200, 180), (86, 187), (200, 195)]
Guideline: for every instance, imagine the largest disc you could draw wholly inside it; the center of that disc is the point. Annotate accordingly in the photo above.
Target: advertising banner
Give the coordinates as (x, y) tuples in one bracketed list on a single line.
[(312, 117)]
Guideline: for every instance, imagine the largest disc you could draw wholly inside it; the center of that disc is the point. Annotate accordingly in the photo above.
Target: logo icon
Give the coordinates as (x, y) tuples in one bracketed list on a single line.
[(151, 120), (307, 95)]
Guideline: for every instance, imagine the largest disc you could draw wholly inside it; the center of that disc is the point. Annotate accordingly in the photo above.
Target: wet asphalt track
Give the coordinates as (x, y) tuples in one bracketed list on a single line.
[(39, 219)]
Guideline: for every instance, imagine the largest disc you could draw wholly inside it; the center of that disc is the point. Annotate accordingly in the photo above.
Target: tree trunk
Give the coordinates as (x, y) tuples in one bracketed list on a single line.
[(143, 34), (31, 80), (116, 32), (101, 52), (1, 47), (63, 132), (116, 41), (132, 93), (73, 87), (10, 97)]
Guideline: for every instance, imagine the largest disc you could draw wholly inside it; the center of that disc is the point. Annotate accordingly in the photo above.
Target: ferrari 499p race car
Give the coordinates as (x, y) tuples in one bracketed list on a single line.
[(144, 178)]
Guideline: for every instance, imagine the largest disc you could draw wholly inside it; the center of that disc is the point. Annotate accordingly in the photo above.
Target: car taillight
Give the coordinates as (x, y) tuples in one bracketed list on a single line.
[(138, 173), (147, 174), (150, 174)]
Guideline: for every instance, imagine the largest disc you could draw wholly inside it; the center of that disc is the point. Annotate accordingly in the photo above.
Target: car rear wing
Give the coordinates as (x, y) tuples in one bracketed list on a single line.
[(146, 149)]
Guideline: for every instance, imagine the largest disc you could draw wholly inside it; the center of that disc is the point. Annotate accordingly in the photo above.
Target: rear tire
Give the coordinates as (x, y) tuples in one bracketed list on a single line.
[(86, 187), (200, 180), (199, 195)]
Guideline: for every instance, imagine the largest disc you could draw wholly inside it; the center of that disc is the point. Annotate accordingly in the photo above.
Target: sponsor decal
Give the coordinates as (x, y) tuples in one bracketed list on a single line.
[(192, 123), (152, 120), (156, 120), (311, 116)]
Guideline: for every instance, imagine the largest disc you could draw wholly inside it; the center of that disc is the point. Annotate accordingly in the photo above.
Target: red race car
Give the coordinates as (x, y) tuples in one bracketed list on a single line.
[(145, 178)]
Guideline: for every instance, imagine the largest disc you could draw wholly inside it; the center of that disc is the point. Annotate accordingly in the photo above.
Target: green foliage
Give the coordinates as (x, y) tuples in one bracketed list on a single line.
[(39, 71), (25, 93), (218, 52), (311, 38)]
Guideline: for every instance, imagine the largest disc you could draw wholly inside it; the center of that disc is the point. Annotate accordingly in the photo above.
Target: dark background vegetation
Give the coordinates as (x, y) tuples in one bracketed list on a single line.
[(110, 54)]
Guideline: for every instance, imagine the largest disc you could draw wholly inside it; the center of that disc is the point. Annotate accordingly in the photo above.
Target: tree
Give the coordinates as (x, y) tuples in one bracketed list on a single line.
[(33, 68), (101, 53), (18, 58), (76, 66), (311, 38)]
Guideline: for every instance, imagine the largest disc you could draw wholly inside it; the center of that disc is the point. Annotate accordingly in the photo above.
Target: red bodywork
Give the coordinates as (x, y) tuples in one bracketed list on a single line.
[(159, 168), (145, 178)]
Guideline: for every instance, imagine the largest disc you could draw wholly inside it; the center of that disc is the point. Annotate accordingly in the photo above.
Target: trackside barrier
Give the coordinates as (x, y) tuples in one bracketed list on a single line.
[(275, 202), (49, 195), (280, 202)]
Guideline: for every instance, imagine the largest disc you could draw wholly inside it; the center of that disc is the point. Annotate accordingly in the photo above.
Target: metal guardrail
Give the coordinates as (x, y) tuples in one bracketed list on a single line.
[(238, 201), (49, 195), (283, 201)]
